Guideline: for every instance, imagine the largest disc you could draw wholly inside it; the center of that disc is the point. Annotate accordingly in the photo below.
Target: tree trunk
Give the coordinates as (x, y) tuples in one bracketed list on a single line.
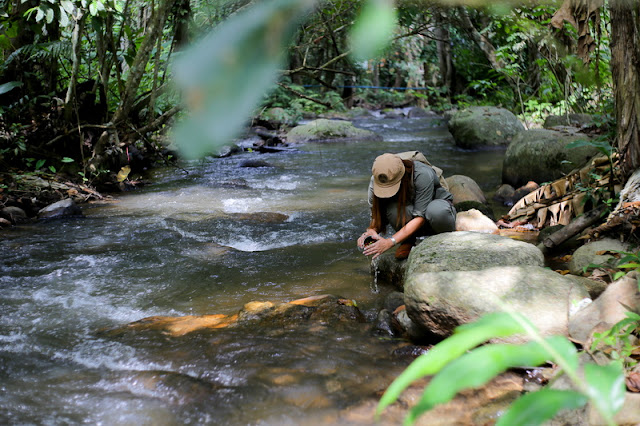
[(73, 80), (625, 70), (154, 31), (443, 45)]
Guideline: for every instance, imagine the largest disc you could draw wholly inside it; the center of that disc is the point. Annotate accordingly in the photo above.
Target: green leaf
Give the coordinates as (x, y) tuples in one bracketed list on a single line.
[(479, 366), (64, 18), (52, 169), (7, 87), (67, 6), (629, 266), (67, 160), (50, 15), (537, 407), (40, 163), (226, 75), (606, 386), (373, 29), (39, 15), (93, 10), (465, 337)]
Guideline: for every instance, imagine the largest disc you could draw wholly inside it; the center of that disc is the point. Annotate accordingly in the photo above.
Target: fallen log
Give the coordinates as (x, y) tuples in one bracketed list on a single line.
[(576, 226)]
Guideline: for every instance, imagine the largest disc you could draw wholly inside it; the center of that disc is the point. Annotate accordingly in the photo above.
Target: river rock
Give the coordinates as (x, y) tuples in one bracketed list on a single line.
[(478, 127), (15, 215), (574, 120), (619, 297), (464, 251), (388, 270), (4, 223), (325, 309), (593, 253), (463, 188), (441, 301), (63, 208), (323, 130), (261, 217), (473, 220), (504, 194), (541, 155), (417, 112)]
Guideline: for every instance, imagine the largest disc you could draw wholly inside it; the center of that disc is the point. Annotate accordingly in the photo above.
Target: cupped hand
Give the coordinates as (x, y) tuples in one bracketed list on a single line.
[(367, 233), (379, 247)]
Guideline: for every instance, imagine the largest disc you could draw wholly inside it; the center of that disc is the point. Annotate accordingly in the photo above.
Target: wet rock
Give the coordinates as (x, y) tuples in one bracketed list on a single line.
[(441, 301), (473, 220), (228, 151), (63, 208), (504, 194), (417, 112), (393, 300), (541, 155), (323, 130), (465, 251), (14, 215), (404, 326), (262, 217), (478, 127), (596, 253), (388, 270), (326, 309), (4, 223), (464, 188), (619, 297), (383, 323), (254, 164)]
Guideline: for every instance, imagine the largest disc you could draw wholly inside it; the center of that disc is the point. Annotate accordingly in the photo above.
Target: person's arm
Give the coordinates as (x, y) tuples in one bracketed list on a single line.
[(384, 244)]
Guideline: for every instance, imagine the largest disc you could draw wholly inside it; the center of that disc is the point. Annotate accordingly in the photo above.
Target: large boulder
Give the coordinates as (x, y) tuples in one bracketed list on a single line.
[(438, 302), (595, 253), (478, 127), (466, 251), (542, 155), (323, 130), (463, 188)]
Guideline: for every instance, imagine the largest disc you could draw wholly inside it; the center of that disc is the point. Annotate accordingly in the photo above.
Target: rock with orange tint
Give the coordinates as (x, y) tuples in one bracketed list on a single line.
[(325, 308)]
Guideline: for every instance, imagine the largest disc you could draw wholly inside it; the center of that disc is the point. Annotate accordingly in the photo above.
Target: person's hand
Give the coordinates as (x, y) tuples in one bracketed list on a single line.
[(367, 233), (379, 247)]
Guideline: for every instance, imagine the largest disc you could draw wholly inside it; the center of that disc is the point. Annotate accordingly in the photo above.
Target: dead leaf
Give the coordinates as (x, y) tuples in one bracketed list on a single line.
[(123, 173), (633, 381)]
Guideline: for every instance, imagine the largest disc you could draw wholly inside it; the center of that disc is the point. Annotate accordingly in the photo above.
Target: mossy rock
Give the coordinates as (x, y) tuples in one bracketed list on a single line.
[(478, 127), (323, 130)]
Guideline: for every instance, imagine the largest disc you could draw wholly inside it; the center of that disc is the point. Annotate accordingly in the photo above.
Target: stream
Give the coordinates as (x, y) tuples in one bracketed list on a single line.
[(193, 243)]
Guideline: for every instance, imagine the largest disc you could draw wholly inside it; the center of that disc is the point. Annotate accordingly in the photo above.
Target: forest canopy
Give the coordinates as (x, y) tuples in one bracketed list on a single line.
[(87, 86)]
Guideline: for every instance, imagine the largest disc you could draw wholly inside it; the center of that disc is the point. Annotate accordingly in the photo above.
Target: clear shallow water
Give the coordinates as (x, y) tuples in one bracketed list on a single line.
[(189, 245)]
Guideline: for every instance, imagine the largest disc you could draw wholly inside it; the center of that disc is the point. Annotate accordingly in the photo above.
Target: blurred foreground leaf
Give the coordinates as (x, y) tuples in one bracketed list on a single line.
[(537, 407), (479, 366), (607, 386), (465, 337), (227, 73), (373, 29)]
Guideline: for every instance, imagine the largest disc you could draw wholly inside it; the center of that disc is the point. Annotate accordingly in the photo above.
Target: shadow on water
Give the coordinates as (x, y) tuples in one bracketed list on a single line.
[(208, 242)]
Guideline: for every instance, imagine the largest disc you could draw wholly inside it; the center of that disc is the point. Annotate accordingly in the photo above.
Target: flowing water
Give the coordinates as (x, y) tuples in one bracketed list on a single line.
[(192, 244)]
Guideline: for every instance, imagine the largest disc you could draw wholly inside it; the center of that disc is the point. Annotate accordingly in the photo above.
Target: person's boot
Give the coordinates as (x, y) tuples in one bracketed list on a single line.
[(402, 252)]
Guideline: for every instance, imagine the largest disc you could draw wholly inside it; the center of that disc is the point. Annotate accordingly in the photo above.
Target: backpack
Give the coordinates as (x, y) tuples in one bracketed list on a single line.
[(418, 156)]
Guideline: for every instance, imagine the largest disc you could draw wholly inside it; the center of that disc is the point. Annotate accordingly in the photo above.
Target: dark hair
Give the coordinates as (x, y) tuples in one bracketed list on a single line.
[(405, 194)]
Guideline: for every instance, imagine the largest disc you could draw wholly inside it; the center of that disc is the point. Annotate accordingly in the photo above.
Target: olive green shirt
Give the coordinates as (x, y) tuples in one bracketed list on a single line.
[(426, 188)]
